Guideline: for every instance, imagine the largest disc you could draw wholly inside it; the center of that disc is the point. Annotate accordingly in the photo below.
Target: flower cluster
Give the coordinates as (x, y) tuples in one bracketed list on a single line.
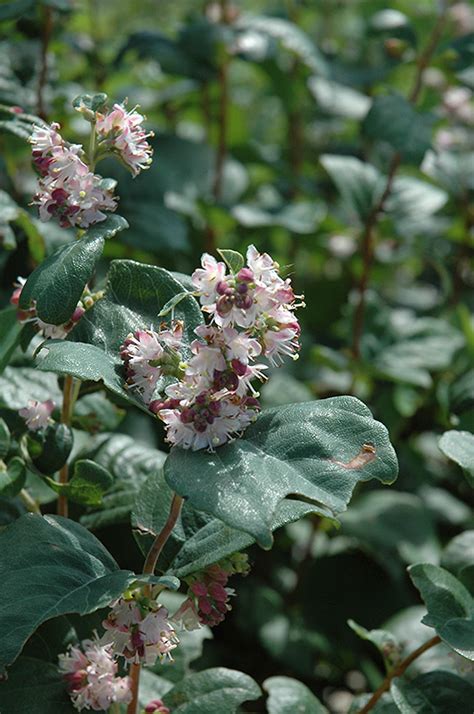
[(46, 329), (212, 398), (208, 596), (91, 676), (121, 132), (37, 414), (68, 190), (139, 630)]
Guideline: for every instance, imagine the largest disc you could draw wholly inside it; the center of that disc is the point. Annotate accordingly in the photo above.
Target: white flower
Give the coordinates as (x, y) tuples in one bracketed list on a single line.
[(91, 676), (124, 133), (207, 278), (37, 414)]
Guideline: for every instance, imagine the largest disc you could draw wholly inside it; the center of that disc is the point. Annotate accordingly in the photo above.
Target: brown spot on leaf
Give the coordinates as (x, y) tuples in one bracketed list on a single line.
[(367, 454)]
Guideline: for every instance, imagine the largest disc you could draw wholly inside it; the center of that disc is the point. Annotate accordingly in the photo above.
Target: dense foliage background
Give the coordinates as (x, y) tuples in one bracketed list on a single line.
[(338, 136)]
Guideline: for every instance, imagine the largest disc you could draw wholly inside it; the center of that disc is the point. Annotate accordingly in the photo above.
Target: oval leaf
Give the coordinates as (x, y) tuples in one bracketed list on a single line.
[(317, 450)]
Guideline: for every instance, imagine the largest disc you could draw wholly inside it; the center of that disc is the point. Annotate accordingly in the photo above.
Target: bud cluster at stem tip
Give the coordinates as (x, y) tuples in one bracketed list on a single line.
[(212, 398)]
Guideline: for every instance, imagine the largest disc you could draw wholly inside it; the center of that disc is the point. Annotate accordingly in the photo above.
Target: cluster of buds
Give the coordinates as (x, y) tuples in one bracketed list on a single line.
[(139, 630), (69, 190), (208, 597), (37, 414), (90, 672), (46, 329), (212, 398)]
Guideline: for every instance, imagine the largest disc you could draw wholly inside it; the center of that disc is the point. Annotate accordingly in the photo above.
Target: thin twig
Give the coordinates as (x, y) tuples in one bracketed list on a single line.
[(397, 672), (373, 216), (149, 568), (31, 505), (70, 391), (43, 71)]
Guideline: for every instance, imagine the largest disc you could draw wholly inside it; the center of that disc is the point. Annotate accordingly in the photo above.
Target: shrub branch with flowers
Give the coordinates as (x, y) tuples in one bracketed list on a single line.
[(189, 354)]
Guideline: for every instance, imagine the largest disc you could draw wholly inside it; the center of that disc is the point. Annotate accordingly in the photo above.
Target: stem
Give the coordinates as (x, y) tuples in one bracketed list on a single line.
[(134, 674), (30, 503), (160, 540), (70, 392), (397, 672), (373, 217), (223, 115), (43, 72), (149, 568), (92, 147)]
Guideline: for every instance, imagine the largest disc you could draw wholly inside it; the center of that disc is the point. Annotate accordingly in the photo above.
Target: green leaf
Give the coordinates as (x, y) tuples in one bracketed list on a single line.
[(394, 120), (458, 556), (197, 540), (433, 693), (19, 384), (87, 363), (62, 568), (14, 10), (234, 260), (302, 217), (337, 99), (95, 412), (459, 447), (92, 102), (45, 691), (171, 304), (4, 439), (57, 284), (288, 696), (218, 690), (291, 37), (359, 183), (10, 332), (109, 228), (135, 294), (13, 478), (388, 645), (450, 606), (314, 449), (395, 527), (130, 463), (88, 484), (55, 444)]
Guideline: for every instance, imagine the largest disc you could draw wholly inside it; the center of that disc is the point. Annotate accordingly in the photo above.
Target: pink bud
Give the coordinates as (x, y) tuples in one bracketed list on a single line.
[(78, 313), (199, 589), (245, 275)]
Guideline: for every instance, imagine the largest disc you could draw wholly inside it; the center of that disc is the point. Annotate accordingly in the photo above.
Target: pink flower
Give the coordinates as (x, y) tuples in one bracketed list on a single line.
[(140, 631), (148, 355), (208, 277), (91, 676), (37, 414), (123, 133), (68, 191), (156, 707)]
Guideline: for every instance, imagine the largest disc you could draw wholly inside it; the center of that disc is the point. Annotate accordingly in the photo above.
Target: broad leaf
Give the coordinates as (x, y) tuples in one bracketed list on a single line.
[(217, 690), (360, 184), (20, 384), (337, 99), (4, 439), (288, 696), (130, 463), (458, 558), (50, 449), (45, 689), (450, 607), (317, 450), (10, 332), (12, 477), (109, 228), (88, 484), (459, 447), (388, 645), (394, 120), (433, 693), (61, 567), (198, 539), (57, 284)]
